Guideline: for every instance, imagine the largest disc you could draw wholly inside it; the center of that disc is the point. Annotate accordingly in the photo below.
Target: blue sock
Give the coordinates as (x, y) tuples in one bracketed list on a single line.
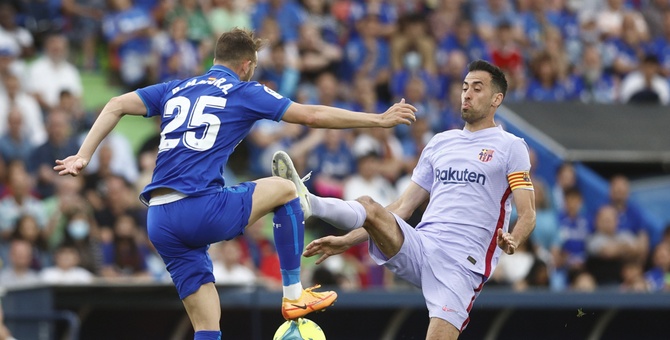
[(207, 335), (289, 235)]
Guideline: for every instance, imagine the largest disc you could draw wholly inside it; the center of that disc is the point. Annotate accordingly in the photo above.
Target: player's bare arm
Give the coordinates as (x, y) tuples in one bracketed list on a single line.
[(111, 114), (321, 116), (409, 201), (525, 205)]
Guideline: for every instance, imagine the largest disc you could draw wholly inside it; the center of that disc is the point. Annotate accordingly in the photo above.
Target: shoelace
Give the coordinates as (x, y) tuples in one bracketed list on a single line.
[(309, 290)]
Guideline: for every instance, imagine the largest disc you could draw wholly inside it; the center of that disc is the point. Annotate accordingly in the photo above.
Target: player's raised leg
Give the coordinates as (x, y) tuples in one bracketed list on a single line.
[(280, 196), (345, 215)]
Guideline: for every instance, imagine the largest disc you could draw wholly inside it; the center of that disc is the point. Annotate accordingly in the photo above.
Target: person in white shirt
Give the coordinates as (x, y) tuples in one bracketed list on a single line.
[(66, 269), (469, 178), (52, 73), (228, 270)]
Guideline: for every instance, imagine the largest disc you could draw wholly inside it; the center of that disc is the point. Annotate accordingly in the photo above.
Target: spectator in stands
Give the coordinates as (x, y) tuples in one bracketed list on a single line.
[(658, 276), (27, 229), (318, 13), (368, 181), (317, 55), (177, 57), (278, 74), (52, 73), (632, 277), (574, 231), (80, 119), (546, 84), (491, 15), (646, 85), (512, 271), (624, 54), (20, 200), (10, 63), (445, 16), (290, 17), (384, 10), (546, 235), (331, 163), (15, 98), (465, 38), (610, 18), (591, 82), (83, 28), (82, 233), (413, 48), (566, 177), (609, 248), (506, 52), (128, 30), (259, 252), (629, 218), (66, 270), (9, 25), (583, 281), (67, 199), (15, 143), (225, 15), (198, 31), (386, 146), (368, 54), (17, 272), (654, 12), (660, 46), (226, 261), (116, 199), (450, 117), (60, 142), (125, 256)]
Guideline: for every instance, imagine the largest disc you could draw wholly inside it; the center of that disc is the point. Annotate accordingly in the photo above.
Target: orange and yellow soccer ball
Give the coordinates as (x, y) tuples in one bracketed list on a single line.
[(300, 329)]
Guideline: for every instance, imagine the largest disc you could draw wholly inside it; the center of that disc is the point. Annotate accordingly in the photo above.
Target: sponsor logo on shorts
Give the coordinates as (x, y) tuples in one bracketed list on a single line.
[(448, 310)]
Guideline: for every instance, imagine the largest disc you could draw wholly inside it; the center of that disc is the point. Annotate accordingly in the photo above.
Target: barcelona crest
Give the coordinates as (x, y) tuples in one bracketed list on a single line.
[(486, 155)]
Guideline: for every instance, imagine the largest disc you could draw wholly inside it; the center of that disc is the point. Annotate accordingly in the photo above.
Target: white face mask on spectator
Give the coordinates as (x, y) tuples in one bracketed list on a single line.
[(78, 229), (413, 60)]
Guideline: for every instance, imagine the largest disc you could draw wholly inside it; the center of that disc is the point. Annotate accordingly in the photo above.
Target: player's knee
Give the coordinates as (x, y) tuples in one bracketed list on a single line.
[(285, 189), (373, 209)]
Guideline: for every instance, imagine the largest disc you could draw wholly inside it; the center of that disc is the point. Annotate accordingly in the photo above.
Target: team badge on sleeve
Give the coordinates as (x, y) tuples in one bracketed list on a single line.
[(486, 155), (519, 179)]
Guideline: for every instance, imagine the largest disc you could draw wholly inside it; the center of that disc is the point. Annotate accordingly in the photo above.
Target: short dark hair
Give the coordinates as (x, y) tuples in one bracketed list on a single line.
[(497, 75), (237, 46)]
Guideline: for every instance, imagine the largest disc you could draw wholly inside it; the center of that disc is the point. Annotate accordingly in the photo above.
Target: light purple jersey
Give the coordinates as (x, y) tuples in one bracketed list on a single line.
[(470, 176)]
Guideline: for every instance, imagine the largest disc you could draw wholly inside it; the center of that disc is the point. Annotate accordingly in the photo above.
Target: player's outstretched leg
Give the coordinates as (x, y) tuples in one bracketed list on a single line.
[(345, 215)]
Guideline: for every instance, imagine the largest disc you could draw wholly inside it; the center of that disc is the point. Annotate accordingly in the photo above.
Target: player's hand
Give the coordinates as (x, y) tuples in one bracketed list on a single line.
[(72, 165), (326, 246), (399, 113), (506, 242)]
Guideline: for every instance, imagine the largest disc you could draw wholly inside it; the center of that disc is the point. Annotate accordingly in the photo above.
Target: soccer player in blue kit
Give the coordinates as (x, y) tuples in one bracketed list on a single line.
[(202, 120)]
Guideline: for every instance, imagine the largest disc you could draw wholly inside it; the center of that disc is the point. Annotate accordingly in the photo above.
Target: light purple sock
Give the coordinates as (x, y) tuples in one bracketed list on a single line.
[(345, 215)]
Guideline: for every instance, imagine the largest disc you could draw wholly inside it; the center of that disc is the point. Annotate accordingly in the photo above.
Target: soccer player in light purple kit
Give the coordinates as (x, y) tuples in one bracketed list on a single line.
[(203, 119), (470, 177)]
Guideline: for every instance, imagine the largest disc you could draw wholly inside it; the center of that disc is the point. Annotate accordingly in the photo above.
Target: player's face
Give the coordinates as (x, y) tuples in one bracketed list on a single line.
[(477, 96)]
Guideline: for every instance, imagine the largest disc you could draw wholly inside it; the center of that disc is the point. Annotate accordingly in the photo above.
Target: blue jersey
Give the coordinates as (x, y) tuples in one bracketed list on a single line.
[(203, 119)]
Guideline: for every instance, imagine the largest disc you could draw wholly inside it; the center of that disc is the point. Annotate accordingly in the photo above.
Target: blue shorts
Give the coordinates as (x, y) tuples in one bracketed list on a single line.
[(182, 231)]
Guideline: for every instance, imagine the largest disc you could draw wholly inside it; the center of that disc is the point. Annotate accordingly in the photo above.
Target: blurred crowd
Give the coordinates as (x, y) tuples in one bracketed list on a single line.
[(356, 54)]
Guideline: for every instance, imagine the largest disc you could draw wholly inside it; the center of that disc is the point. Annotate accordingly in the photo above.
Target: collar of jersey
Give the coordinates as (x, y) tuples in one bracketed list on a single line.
[(221, 68), (493, 129)]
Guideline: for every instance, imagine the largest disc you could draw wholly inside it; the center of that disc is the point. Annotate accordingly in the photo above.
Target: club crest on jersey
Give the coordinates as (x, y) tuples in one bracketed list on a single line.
[(486, 155)]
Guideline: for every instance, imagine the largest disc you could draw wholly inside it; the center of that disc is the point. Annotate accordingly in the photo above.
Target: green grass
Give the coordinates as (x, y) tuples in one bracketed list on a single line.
[(97, 91)]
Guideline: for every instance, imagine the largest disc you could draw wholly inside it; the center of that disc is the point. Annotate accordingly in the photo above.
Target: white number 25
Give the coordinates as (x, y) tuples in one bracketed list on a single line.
[(181, 106)]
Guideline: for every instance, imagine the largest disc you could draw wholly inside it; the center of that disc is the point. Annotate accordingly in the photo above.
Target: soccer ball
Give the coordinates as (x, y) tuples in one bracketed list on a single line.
[(300, 329)]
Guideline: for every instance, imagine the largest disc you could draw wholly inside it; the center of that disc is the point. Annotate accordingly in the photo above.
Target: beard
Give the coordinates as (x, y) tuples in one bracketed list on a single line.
[(471, 116)]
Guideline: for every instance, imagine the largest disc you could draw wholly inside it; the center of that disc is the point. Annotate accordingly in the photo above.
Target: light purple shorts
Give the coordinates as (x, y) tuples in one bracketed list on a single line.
[(449, 288)]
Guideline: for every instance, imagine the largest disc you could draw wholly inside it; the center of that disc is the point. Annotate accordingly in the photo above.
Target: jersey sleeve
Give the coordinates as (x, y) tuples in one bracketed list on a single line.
[(152, 97), (423, 172), (518, 166), (265, 102)]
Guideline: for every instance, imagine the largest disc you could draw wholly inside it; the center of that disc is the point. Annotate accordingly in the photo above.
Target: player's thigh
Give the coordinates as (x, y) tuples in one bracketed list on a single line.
[(382, 227), (270, 193), (408, 262)]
